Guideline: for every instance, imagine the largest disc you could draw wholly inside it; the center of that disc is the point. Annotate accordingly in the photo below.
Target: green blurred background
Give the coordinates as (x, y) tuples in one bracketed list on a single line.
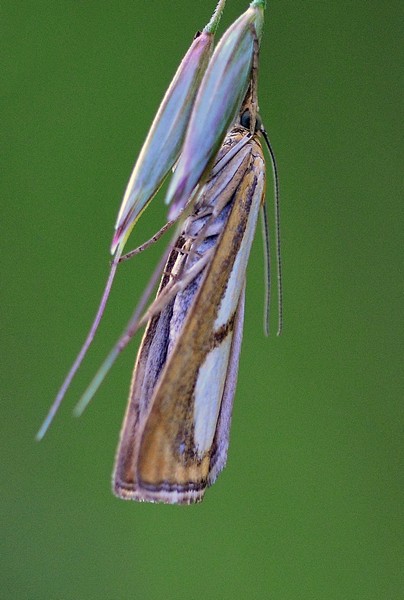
[(309, 504)]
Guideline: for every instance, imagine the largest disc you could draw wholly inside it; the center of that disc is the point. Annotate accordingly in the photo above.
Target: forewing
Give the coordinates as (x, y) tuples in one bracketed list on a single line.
[(222, 434), (174, 442)]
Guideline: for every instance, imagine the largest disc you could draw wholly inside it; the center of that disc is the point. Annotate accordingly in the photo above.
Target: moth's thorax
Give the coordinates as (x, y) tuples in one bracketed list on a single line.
[(235, 135)]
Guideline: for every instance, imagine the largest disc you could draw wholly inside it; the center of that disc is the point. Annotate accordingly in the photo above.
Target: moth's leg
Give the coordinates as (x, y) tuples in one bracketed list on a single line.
[(149, 242), (83, 351), (175, 286), (125, 337)]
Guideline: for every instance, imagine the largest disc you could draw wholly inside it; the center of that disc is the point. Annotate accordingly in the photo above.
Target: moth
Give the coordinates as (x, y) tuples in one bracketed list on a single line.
[(175, 435)]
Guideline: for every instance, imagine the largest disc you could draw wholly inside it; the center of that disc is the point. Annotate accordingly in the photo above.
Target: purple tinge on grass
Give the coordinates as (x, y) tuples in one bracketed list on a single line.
[(163, 143), (217, 103)]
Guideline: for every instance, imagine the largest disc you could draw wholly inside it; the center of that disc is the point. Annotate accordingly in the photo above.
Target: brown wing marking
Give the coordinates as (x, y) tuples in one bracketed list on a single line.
[(166, 453)]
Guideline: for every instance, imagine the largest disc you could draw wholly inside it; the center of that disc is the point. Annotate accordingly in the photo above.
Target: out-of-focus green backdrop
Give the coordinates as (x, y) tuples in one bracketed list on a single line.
[(309, 504)]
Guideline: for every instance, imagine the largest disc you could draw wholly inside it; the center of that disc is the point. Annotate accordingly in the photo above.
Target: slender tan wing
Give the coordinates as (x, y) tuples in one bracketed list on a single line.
[(170, 432)]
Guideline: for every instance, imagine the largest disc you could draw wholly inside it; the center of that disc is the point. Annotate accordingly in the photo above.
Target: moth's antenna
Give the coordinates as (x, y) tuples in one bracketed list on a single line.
[(277, 230), (267, 263)]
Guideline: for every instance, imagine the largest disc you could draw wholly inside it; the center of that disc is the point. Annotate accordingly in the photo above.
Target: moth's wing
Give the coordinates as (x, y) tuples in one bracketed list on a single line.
[(150, 359), (222, 435), (170, 458)]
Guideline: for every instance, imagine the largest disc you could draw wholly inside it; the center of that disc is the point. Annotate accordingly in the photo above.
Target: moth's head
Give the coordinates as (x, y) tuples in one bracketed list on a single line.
[(248, 111), (245, 120)]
